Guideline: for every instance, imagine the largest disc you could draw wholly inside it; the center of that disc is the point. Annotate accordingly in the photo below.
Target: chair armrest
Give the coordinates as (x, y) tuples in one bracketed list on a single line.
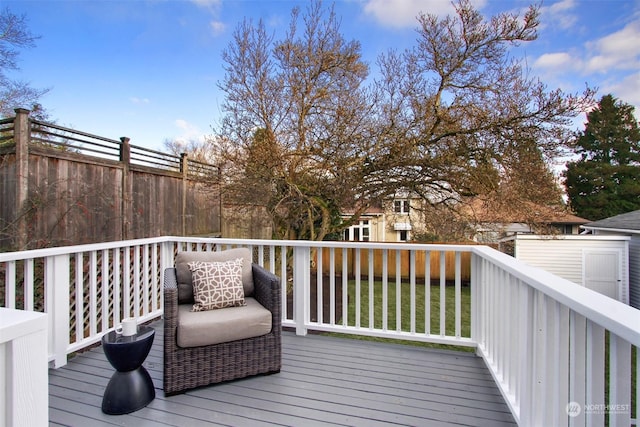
[(170, 291), (267, 290)]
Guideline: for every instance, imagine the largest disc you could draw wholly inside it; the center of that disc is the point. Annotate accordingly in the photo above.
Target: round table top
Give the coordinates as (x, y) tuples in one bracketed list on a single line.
[(126, 353), (113, 338)]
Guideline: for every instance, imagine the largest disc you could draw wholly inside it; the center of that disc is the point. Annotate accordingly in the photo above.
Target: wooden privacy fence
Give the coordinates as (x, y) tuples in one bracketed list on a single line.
[(398, 260), (60, 186)]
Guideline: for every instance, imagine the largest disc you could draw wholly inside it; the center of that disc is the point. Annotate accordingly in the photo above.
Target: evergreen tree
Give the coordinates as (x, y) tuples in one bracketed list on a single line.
[(605, 180)]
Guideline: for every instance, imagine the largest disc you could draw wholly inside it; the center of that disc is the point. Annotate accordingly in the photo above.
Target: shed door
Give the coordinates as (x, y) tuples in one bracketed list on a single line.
[(602, 270)]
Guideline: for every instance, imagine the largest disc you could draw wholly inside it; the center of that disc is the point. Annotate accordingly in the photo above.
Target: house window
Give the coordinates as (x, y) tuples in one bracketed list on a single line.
[(359, 232), (401, 206), (403, 235)]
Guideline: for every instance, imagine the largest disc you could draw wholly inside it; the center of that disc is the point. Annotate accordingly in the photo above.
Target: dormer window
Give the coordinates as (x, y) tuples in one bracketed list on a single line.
[(401, 206)]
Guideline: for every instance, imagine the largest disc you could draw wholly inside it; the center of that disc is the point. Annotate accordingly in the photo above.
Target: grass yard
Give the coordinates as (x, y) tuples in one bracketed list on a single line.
[(371, 298)]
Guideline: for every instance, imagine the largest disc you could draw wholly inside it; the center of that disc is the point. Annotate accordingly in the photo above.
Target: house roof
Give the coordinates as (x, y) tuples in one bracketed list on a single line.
[(372, 210), (626, 221), (567, 218), (484, 212)]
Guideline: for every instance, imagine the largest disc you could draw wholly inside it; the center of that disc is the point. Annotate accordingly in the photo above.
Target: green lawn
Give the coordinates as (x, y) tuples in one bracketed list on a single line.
[(405, 309)]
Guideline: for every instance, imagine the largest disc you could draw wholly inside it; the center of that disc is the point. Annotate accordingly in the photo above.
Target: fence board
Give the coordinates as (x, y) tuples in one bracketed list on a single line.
[(75, 196), (405, 265)]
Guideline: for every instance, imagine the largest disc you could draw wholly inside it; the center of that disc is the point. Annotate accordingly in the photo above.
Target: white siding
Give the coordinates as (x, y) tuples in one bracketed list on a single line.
[(634, 271), (563, 255)]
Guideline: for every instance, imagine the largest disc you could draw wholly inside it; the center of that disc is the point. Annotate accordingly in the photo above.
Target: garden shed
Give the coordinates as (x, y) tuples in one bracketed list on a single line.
[(627, 224), (598, 262)]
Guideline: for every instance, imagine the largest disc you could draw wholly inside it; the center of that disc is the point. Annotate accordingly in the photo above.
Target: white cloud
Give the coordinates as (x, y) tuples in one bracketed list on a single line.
[(275, 21), (561, 6), (217, 27), (189, 132), (207, 3), (627, 90), (554, 60), (559, 14), (613, 60), (619, 50), (403, 13), (185, 126), (139, 101)]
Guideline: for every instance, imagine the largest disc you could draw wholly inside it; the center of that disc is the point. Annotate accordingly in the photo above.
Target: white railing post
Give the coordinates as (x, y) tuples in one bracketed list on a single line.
[(56, 282), (619, 381), (24, 399), (301, 288), (476, 302), (166, 257)]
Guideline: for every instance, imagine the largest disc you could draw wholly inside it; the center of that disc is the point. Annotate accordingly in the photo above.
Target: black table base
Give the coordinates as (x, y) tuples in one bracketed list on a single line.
[(128, 391), (131, 387)]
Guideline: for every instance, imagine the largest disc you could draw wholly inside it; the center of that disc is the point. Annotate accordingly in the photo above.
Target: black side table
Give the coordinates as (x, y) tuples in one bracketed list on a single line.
[(130, 387)]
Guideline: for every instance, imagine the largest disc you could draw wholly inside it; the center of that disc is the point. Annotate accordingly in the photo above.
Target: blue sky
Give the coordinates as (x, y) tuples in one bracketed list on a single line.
[(149, 69)]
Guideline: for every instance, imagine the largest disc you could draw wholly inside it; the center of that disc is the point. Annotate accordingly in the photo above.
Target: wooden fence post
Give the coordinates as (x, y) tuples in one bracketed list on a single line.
[(127, 189), (22, 137)]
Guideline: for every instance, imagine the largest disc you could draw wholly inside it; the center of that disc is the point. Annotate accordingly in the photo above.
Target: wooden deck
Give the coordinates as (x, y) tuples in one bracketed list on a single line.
[(324, 381)]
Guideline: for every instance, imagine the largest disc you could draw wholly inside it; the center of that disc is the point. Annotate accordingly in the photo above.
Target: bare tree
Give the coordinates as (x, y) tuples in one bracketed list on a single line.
[(14, 35), (452, 118), (197, 150), (460, 118), (294, 134)]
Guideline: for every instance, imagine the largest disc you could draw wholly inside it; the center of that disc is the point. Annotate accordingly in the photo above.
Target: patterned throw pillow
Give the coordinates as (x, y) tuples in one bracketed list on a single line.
[(217, 284)]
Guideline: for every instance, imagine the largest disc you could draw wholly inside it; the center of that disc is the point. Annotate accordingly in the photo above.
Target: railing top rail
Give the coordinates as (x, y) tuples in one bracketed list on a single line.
[(329, 244), (39, 253), (7, 120), (606, 237), (74, 131), (619, 318), (199, 163), (62, 250), (147, 152), (85, 143)]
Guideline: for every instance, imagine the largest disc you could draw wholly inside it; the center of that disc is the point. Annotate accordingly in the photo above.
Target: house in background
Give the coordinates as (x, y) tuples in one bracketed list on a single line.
[(402, 218), (394, 220), (493, 225), (369, 227)]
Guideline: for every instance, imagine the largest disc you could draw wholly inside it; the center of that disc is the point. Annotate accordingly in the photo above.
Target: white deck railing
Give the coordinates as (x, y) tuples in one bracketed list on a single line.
[(544, 339)]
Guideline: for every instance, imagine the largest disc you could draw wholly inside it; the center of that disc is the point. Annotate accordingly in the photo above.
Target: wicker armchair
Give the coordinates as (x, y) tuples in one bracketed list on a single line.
[(190, 367)]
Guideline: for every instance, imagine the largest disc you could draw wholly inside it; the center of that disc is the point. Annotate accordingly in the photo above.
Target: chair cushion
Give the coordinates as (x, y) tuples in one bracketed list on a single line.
[(185, 285), (199, 328), (217, 284)]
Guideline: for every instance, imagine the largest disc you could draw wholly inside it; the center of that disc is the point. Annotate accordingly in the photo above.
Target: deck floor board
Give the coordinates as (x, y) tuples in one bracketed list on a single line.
[(325, 381)]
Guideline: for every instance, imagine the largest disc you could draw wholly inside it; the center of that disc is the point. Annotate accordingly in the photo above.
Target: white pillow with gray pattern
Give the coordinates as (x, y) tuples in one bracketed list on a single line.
[(217, 284)]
